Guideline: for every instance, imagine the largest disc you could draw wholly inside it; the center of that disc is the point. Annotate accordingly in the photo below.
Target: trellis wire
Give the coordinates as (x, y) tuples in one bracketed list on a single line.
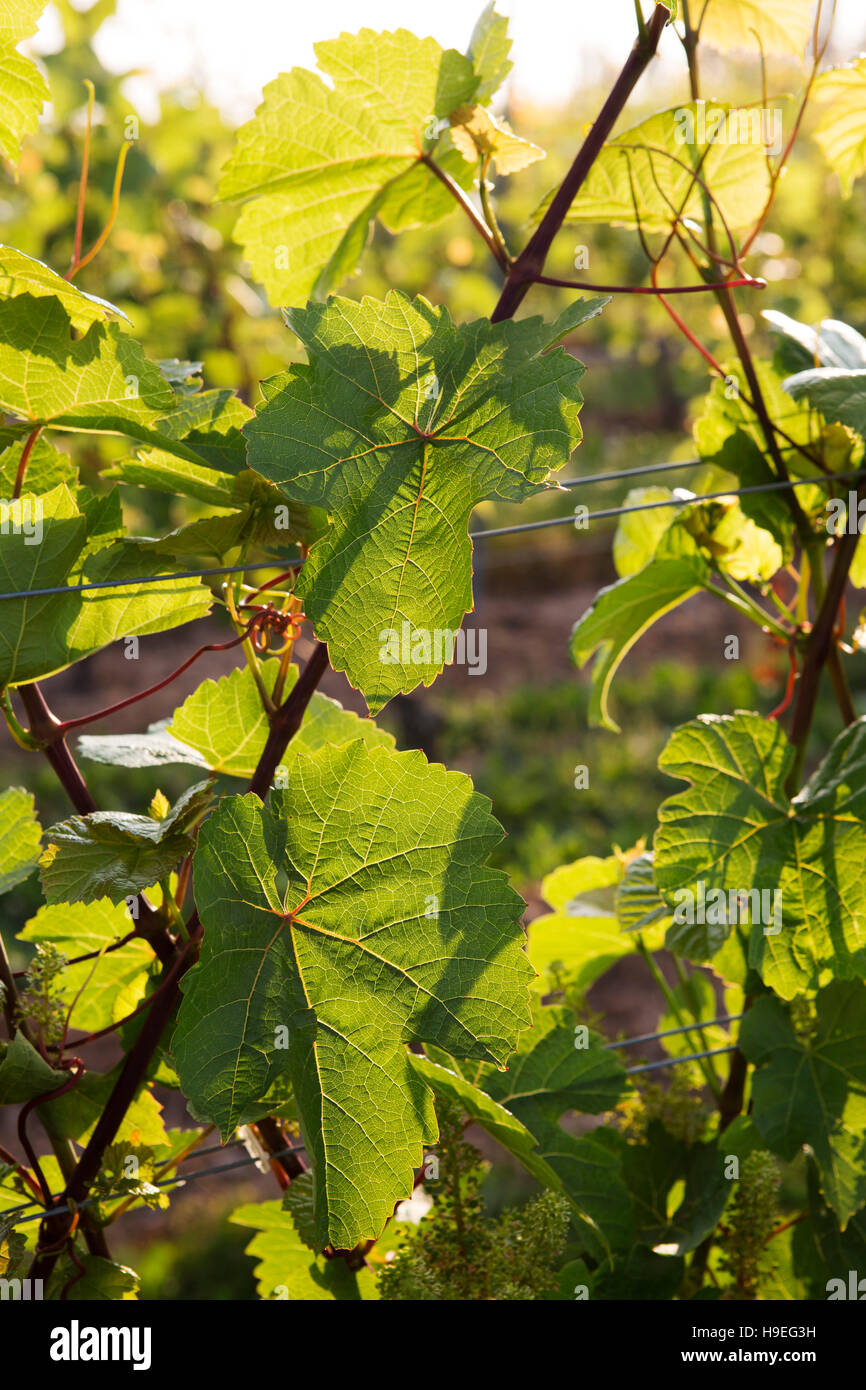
[(669, 1032), (672, 1061), (489, 534)]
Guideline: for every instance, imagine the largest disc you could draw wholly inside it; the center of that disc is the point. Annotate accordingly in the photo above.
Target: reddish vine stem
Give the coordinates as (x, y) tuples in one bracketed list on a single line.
[(26, 1177), (45, 727), (112, 1027), (531, 260), (24, 460), (24, 1114), (746, 280), (63, 726)]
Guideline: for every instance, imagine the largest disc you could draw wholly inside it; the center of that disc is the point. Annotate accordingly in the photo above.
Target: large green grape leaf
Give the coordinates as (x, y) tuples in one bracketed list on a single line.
[(353, 910), (812, 1091), (105, 990), (620, 616), (735, 831), (20, 837), (399, 425), (101, 381), (645, 176), (21, 274), (23, 92), (39, 636), (320, 162), (288, 1269), (112, 854), (768, 26), (841, 132)]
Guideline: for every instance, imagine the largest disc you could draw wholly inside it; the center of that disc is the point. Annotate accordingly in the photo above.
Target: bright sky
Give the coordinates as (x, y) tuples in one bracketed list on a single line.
[(231, 49)]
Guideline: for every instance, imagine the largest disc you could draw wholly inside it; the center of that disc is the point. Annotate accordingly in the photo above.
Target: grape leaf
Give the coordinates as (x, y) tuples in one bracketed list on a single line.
[(622, 613), (768, 26), (813, 1091), (223, 721), (831, 343), (488, 52), (646, 176), (23, 91), (840, 394), (154, 748), (103, 1281), (39, 636), (580, 938), (101, 381), (319, 162), (223, 727), (116, 983), (112, 854), (841, 131), (401, 423), (210, 424), (389, 929), (21, 274), (287, 1269), (639, 905), (20, 837), (652, 1168), (76, 1113), (735, 831), (24, 1074)]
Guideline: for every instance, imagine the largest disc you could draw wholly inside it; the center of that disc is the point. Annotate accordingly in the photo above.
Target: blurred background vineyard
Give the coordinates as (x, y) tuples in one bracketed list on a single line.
[(172, 266)]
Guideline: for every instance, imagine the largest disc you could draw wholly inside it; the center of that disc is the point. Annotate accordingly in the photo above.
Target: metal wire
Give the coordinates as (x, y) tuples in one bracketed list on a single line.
[(668, 502), (489, 534), (675, 1061), (669, 1032)]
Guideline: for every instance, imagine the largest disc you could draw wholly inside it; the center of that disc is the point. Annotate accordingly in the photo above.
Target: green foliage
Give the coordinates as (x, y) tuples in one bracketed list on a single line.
[(457, 1254), (386, 926), (806, 917), (336, 953), (400, 424), (22, 87)]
